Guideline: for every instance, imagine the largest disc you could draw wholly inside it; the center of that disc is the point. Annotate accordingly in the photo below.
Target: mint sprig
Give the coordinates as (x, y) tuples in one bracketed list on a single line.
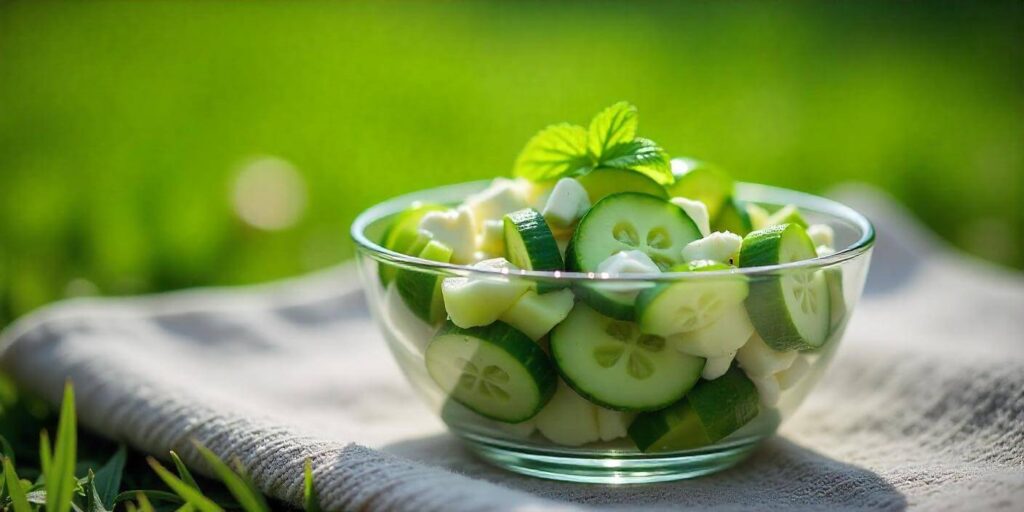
[(610, 141)]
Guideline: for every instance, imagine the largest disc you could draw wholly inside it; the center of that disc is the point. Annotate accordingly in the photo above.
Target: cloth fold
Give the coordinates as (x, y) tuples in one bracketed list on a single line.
[(923, 406)]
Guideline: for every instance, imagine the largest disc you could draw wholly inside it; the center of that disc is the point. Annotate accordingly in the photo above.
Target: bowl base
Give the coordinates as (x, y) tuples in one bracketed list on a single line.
[(598, 468)]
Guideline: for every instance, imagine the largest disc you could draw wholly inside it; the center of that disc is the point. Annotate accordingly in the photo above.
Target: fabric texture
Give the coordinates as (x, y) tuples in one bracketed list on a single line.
[(923, 406)]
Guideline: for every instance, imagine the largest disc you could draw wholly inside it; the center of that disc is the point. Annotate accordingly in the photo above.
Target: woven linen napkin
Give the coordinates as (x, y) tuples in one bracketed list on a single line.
[(923, 406)]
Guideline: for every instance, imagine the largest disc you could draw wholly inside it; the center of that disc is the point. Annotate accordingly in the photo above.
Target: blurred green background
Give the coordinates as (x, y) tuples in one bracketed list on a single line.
[(158, 145)]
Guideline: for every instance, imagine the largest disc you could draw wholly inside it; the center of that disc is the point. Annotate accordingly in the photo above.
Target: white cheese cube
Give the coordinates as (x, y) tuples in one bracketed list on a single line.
[(535, 314), (491, 239), (821, 234), (768, 390), (715, 367), (696, 210), (481, 299), (628, 262), (503, 196), (796, 371), (723, 337), (723, 247), (613, 424), (566, 204), (455, 229), (824, 250), (759, 360)]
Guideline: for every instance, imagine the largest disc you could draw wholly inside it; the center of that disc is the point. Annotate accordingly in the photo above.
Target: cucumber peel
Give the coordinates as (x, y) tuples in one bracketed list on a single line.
[(421, 289)]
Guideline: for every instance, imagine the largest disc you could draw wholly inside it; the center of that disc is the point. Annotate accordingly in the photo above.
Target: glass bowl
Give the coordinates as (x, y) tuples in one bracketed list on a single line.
[(588, 444)]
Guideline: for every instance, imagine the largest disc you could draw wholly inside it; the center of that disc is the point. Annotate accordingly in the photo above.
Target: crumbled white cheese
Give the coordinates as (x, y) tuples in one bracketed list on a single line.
[(718, 246), (821, 234), (455, 229), (566, 204), (696, 210), (628, 262), (768, 390), (796, 371), (824, 250), (759, 360), (503, 196), (481, 298), (715, 367), (491, 239)]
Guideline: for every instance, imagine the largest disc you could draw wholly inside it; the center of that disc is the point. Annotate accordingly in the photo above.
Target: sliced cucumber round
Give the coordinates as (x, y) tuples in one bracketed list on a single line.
[(421, 289), (710, 412), (403, 235), (529, 243), (792, 310), (632, 221), (603, 182), (611, 363), (701, 181), (496, 371), (683, 306)]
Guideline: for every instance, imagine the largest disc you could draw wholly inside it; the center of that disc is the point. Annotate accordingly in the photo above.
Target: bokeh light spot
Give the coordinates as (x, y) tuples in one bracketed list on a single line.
[(269, 193)]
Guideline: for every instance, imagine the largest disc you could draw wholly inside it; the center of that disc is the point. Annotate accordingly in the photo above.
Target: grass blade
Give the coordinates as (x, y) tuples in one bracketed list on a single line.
[(169, 497), (60, 480), (144, 504), (187, 492), (7, 450), (183, 472), (309, 497), (18, 500), (186, 508), (108, 478), (45, 453), (248, 497)]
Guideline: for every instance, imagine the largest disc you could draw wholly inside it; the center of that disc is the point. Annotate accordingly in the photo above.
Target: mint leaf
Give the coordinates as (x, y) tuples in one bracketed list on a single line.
[(614, 125), (641, 155), (558, 150)]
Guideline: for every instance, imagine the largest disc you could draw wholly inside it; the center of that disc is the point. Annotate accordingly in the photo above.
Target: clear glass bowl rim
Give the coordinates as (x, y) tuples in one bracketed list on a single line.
[(745, 191)]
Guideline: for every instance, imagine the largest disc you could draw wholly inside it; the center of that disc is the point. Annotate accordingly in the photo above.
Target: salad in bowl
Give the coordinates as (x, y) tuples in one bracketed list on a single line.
[(609, 314)]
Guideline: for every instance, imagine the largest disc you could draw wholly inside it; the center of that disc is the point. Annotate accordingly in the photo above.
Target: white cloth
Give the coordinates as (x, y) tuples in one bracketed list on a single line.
[(923, 406)]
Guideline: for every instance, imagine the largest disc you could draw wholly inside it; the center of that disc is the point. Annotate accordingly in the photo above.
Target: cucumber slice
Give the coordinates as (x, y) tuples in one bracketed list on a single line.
[(733, 217), (568, 419), (403, 235), (601, 183), (674, 308), (710, 412), (421, 290), (530, 245), (701, 181), (632, 221), (496, 371), (788, 214), (611, 363), (790, 311)]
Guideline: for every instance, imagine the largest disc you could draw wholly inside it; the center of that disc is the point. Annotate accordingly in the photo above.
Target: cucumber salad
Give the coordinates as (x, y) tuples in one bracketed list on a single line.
[(661, 364)]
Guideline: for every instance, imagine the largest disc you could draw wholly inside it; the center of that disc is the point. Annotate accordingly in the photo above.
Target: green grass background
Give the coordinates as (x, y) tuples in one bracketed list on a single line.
[(123, 125)]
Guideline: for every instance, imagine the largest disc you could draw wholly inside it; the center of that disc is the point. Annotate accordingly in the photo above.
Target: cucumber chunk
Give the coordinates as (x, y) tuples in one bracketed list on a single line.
[(733, 217), (630, 221), (790, 311), (701, 181), (535, 315), (421, 290), (496, 371), (530, 245), (568, 419), (710, 412), (674, 308), (481, 298), (403, 235), (611, 363), (788, 214), (603, 182)]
